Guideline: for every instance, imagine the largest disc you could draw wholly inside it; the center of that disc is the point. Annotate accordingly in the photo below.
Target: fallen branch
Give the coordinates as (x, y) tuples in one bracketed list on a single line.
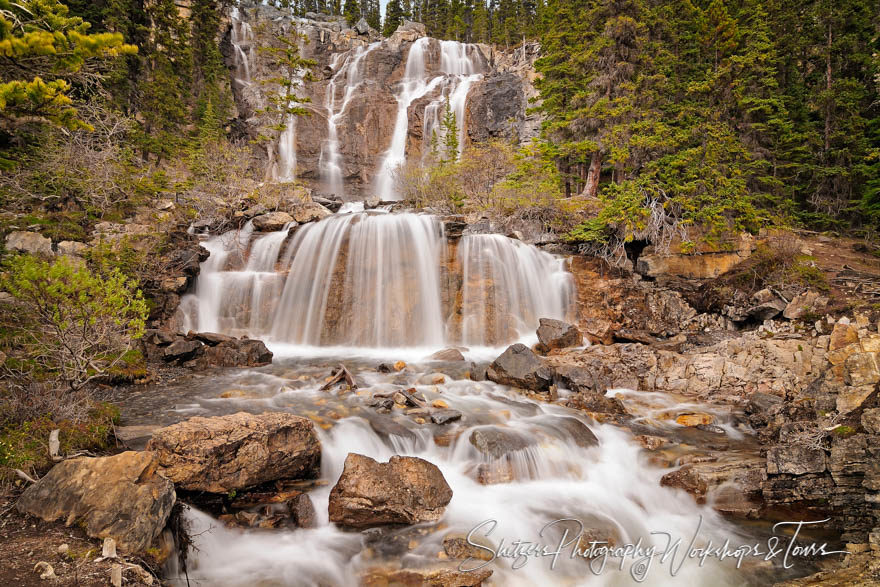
[(24, 476), (342, 374)]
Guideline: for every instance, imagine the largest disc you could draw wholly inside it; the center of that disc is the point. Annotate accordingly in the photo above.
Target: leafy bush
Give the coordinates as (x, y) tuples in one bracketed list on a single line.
[(82, 324)]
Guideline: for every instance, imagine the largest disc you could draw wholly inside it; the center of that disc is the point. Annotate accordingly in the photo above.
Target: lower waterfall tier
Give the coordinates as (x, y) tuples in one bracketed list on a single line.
[(376, 280)]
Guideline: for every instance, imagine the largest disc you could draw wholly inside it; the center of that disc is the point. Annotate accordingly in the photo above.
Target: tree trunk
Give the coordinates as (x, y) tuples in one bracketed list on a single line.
[(591, 188)]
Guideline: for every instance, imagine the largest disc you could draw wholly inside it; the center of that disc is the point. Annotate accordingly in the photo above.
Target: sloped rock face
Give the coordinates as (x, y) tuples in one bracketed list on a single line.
[(233, 452), (405, 490), (121, 497), (29, 242)]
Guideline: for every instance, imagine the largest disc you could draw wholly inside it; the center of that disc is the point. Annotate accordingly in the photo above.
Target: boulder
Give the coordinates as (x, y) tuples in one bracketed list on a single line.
[(210, 338), (243, 352), (272, 222), (302, 511), (497, 442), (435, 576), (518, 366), (310, 212), (181, 350), (227, 453), (445, 416), (72, 248), (361, 27), (556, 334), (447, 355), (122, 497), (577, 431), (766, 305), (405, 490), (29, 242)]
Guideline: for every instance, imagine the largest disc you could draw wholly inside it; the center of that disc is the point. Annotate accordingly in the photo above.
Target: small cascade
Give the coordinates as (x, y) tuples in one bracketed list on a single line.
[(457, 73), (350, 72), (500, 273), (376, 280), (241, 37), (285, 165)]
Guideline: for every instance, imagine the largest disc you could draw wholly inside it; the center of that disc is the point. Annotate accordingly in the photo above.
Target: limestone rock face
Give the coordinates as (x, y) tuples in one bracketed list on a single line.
[(122, 497), (29, 242), (704, 264), (233, 452), (519, 367), (405, 490)]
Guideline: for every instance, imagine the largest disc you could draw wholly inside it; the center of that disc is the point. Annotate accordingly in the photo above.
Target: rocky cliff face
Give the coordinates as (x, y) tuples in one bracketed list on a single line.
[(366, 94)]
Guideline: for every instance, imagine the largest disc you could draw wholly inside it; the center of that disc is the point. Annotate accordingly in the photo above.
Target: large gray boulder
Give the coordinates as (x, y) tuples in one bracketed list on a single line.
[(405, 490), (121, 497), (226, 453), (518, 366), (29, 242)]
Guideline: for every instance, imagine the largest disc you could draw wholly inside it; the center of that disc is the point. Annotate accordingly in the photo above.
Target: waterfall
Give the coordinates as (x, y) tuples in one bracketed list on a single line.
[(499, 273), (457, 72), (330, 162), (374, 280), (241, 38), (285, 166)]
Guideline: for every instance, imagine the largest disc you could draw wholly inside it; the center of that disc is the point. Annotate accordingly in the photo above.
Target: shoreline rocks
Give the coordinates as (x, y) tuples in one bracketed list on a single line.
[(519, 367), (227, 453)]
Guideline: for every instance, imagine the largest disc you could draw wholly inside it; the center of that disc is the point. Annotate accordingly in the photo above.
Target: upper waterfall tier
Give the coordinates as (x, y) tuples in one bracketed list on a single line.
[(376, 280), (374, 103)]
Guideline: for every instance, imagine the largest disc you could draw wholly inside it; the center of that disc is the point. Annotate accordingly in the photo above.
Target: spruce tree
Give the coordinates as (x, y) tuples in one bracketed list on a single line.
[(394, 15)]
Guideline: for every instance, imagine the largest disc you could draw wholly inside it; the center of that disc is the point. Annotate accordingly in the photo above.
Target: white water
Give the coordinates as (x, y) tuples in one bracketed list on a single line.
[(351, 73), (610, 487), (456, 74), (376, 280), (241, 37)]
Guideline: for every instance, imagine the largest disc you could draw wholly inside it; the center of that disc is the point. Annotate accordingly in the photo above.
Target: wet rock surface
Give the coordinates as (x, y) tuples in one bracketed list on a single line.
[(226, 453), (405, 490), (204, 350), (518, 366)]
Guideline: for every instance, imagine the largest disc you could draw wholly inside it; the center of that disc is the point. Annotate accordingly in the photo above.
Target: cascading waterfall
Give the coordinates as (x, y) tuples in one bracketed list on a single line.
[(457, 72), (500, 273), (241, 37), (374, 280), (331, 160)]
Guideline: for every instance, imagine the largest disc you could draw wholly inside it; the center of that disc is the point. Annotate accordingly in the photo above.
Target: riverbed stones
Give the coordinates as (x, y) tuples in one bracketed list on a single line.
[(556, 334), (497, 442), (405, 490), (227, 453), (123, 497), (519, 366), (450, 354)]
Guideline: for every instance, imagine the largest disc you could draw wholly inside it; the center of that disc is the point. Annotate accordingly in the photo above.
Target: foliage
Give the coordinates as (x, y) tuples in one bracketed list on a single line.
[(284, 101), (44, 54), (83, 323)]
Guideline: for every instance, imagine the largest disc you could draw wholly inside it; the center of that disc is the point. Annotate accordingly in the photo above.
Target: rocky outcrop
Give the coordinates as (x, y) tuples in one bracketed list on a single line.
[(234, 452), (405, 490), (556, 334), (122, 497), (519, 367), (272, 221), (204, 350), (704, 263), (32, 243)]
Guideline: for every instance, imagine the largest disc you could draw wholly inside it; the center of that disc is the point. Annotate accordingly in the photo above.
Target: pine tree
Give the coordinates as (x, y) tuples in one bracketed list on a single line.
[(449, 126), (394, 16), (352, 11), (45, 52)]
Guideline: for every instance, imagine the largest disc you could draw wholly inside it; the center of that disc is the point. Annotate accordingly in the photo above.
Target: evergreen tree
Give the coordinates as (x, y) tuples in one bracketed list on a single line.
[(394, 16), (449, 126), (45, 53), (352, 11)]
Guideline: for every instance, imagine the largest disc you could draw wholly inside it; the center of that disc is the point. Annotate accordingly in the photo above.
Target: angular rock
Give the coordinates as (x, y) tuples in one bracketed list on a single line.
[(437, 576), (272, 222), (29, 242), (578, 431), (234, 452), (861, 369), (457, 546), (871, 420), (802, 304), (122, 497), (795, 459), (310, 212), (181, 350), (302, 511), (556, 334), (241, 352), (518, 366), (405, 490), (766, 305), (210, 338), (843, 335), (445, 416)]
